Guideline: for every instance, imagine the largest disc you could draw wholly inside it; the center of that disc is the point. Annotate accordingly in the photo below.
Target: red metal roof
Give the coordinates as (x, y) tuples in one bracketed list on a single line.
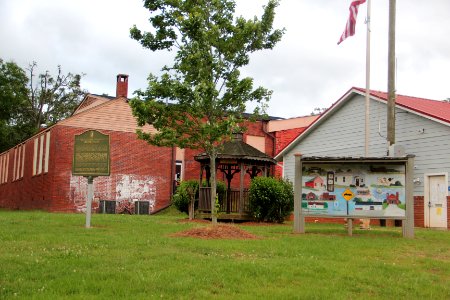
[(433, 108)]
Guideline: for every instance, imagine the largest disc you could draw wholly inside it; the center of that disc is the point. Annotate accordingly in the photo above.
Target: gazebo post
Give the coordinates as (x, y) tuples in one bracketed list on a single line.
[(241, 189)]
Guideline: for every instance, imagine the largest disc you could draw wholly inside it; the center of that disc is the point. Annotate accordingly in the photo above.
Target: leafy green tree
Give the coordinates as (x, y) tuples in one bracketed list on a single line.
[(200, 100), (28, 101), (13, 88), (13, 98)]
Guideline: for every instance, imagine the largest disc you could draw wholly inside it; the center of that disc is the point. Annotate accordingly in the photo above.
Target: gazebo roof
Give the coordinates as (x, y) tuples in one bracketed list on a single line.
[(236, 149)]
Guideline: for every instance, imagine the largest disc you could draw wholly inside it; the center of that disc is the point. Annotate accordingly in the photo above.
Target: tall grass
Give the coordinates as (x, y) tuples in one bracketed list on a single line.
[(52, 256)]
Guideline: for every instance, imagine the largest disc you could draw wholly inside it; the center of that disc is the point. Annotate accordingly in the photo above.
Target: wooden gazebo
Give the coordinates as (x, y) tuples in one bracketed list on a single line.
[(235, 157)]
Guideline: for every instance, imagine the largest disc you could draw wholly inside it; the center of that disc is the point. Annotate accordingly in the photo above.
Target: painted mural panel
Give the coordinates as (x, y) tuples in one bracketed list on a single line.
[(354, 189), (124, 189)]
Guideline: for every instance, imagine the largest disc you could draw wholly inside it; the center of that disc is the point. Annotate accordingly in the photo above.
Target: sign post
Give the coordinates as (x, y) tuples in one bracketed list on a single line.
[(348, 195), (90, 196), (299, 219), (91, 158)]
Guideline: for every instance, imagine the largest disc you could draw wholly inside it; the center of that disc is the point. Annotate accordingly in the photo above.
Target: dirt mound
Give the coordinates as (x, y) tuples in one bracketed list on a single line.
[(217, 232)]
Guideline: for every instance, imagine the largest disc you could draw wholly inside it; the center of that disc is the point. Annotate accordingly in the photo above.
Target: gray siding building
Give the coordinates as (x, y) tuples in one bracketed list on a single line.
[(422, 129)]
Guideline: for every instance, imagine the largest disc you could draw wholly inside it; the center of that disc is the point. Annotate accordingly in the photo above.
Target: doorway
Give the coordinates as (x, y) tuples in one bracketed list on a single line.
[(435, 204)]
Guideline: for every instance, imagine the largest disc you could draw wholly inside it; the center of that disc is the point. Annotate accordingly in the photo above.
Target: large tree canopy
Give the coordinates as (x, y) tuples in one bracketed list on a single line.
[(52, 98), (13, 100), (13, 89), (29, 101), (201, 99)]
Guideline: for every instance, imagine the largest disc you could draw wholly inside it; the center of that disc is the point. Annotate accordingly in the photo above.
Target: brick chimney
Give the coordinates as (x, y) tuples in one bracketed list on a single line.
[(122, 86)]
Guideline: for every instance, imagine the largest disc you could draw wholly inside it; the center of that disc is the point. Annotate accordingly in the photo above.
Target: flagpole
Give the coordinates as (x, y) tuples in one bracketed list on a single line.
[(367, 118)]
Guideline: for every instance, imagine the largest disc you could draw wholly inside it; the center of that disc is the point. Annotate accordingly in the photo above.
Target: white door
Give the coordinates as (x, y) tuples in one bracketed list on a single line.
[(436, 202)]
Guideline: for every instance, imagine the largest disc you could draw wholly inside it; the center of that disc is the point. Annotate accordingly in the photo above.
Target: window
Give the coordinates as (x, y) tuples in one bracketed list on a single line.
[(41, 154), (4, 164), (178, 171), (19, 162), (47, 151), (36, 141), (178, 175)]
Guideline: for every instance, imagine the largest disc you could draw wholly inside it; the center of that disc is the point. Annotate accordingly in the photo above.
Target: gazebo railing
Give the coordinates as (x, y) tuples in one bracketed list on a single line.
[(204, 199), (230, 203)]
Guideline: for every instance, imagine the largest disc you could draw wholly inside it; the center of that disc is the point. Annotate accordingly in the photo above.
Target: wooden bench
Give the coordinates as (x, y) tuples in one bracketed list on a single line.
[(350, 219)]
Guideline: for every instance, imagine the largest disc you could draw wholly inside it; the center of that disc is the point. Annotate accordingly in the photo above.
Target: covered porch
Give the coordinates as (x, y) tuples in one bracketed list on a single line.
[(236, 159)]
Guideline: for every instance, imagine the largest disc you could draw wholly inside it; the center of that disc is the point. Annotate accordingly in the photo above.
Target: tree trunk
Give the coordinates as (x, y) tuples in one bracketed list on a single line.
[(191, 209), (212, 164)]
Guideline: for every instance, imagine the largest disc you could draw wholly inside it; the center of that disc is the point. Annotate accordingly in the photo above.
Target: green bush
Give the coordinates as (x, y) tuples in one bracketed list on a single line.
[(271, 199), (182, 198), (221, 190)]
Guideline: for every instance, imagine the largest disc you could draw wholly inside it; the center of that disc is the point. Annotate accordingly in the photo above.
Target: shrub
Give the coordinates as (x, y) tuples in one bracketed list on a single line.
[(182, 198), (221, 190), (271, 199)]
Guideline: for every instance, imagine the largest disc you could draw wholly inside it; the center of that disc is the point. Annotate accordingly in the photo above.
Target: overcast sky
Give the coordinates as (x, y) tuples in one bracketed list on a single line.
[(307, 69)]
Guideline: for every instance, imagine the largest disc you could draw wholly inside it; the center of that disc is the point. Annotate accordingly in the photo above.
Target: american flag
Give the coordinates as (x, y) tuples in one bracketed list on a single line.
[(351, 23)]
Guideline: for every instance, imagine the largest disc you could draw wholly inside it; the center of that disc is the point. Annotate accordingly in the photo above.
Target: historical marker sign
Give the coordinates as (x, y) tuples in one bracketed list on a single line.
[(91, 154)]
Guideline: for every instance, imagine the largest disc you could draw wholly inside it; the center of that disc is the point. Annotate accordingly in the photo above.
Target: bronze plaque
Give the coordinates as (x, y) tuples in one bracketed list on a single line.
[(91, 154)]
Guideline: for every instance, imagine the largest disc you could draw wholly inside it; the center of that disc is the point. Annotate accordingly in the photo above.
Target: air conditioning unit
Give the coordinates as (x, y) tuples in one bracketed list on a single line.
[(107, 206), (141, 207)]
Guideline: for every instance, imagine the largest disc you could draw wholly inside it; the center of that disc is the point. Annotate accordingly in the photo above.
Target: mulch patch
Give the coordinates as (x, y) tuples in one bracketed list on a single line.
[(201, 221), (219, 231)]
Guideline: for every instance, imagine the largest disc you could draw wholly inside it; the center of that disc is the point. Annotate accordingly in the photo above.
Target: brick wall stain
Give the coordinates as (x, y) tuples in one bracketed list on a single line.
[(136, 188), (119, 188)]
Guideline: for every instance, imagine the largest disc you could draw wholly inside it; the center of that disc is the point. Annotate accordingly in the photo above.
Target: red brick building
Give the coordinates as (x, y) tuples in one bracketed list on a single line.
[(37, 174)]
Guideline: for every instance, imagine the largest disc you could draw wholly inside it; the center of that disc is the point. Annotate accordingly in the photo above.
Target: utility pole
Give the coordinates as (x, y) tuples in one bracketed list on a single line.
[(367, 112), (391, 76)]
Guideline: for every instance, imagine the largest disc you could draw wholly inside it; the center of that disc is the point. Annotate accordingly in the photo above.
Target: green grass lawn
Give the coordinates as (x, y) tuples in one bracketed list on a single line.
[(52, 256)]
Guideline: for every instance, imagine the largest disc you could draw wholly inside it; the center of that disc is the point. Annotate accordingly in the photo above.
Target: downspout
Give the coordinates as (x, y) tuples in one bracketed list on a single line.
[(274, 139)]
